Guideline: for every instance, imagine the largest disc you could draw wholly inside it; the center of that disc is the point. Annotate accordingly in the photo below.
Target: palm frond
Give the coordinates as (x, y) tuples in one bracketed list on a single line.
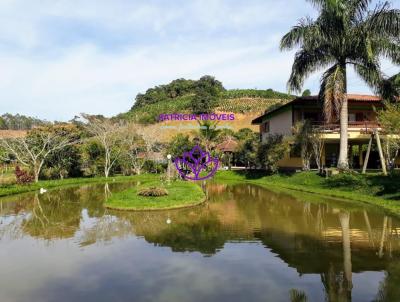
[(358, 8), (389, 88), (384, 21), (370, 73), (300, 34), (305, 63), (333, 91), (297, 296)]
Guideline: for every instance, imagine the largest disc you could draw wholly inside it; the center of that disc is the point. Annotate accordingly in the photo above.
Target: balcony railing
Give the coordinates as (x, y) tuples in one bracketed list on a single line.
[(362, 126)]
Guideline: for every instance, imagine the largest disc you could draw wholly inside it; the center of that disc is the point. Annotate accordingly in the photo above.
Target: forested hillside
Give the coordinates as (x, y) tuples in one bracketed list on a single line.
[(197, 96)]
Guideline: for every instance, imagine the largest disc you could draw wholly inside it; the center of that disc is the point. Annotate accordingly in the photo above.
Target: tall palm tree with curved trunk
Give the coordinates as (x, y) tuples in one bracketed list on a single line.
[(346, 33)]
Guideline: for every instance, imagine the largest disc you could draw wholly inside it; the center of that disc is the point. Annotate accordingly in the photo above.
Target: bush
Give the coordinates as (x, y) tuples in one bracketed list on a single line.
[(151, 166), (348, 181), (271, 151), (22, 176), (153, 192)]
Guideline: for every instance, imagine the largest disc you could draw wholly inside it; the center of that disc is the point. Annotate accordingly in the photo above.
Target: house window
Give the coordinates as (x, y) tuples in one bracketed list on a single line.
[(360, 117), (265, 127), (311, 116), (352, 117)]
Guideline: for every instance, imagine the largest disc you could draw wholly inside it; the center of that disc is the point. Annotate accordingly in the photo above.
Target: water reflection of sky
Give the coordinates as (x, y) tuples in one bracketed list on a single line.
[(114, 256)]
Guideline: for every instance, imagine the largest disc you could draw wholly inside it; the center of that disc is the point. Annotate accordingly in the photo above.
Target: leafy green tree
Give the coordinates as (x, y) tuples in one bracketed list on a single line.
[(203, 102), (210, 85), (271, 151), (38, 145), (245, 134), (306, 92), (389, 119), (247, 152), (3, 124), (346, 33), (178, 145), (92, 158), (208, 89)]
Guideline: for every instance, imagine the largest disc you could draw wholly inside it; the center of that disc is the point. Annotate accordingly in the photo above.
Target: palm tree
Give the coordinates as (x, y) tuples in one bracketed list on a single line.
[(208, 133), (390, 88), (345, 33)]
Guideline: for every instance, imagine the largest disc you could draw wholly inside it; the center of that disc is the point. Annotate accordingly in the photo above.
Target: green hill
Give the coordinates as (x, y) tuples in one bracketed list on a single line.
[(178, 96)]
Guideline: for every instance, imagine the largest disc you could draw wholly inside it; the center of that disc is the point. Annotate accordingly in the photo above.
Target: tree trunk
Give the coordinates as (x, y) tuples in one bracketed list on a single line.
[(345, 225), (343, 162), (36, 175)]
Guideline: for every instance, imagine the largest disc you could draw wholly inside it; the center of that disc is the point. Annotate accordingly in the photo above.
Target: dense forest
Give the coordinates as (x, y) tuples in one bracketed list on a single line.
[(200, 96), (19, 122)]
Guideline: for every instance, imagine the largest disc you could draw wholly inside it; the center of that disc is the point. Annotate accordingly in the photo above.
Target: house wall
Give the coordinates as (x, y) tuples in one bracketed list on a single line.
[(279, 124)]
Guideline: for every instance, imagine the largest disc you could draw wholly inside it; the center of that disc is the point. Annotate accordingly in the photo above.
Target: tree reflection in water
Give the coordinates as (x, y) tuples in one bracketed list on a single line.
[(332, 239)]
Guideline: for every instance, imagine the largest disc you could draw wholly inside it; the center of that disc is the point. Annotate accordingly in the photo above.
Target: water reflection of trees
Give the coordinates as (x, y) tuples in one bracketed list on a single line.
[(331, 239)]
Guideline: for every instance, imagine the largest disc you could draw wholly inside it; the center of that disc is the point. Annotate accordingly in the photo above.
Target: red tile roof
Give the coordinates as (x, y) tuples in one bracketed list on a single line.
[(350, 97), (228, 146), (301, 99)]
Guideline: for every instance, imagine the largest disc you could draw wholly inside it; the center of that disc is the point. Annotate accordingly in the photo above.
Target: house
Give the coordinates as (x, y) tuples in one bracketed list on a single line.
[(362, 123)]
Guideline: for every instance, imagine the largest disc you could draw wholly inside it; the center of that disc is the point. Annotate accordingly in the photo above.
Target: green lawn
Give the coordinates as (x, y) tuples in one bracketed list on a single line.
[(374, 189), (10, 189), (180, 194)]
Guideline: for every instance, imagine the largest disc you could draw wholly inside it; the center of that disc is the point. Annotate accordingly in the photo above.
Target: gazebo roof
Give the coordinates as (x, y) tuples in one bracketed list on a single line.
[(228, 145)]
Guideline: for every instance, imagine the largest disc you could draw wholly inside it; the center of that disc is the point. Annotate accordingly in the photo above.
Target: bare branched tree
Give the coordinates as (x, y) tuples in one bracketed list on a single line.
[(110, 136), (302, 132), (150, 135), (136, 146), (33, 149), (317, 143)]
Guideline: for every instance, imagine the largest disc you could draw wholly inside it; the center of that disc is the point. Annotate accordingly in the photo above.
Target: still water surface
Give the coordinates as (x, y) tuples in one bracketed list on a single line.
[(245, 244)]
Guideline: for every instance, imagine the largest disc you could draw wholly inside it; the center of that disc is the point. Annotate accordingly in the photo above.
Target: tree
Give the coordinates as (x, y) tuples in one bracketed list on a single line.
[(317, 143), (310, 141), (271, 151), (135, 147), (248, 146), (389, 119), (303, 132), (202, 102), (390, 88), (36, 147), (306, 92), (207, 90), (150, 135), (178, 145), (208, 134), (109, 135), (345, 33)]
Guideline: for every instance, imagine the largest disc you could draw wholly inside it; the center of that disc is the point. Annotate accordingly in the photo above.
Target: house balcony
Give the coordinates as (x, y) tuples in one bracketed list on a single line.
[(362, 127), (357, 130)]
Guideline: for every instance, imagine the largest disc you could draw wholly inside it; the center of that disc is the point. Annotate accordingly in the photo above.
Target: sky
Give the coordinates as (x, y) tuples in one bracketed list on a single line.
[(59, 58)]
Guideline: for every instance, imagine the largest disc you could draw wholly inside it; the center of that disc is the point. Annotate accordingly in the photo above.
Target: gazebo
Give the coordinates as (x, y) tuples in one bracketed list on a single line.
[(228, 147)]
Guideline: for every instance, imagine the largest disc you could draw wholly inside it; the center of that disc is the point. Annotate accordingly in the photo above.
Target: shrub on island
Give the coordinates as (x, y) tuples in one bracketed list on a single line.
[(153, 192)]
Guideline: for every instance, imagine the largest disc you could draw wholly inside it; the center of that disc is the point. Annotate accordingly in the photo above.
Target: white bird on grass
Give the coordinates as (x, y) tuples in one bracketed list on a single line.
[(42, 190)]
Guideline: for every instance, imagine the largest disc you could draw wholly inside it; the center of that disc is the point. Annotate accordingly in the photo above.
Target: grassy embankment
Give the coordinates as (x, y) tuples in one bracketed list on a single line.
[(373, 189), (10, 189), (180, 194)]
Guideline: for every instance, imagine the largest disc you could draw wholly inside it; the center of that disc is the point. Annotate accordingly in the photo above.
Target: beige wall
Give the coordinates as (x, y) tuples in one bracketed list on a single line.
[(280, 124)]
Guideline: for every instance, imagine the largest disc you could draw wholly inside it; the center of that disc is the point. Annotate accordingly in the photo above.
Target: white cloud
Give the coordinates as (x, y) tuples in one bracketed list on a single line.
[(60, 58)]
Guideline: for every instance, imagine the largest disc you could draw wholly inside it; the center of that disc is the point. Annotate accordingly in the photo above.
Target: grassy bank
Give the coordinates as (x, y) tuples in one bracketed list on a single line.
[(371, 188), (49, 184), (180, 194)]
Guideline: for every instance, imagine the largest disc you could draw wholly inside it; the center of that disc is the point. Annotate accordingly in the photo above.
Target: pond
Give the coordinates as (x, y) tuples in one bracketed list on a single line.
[(247, 243)]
